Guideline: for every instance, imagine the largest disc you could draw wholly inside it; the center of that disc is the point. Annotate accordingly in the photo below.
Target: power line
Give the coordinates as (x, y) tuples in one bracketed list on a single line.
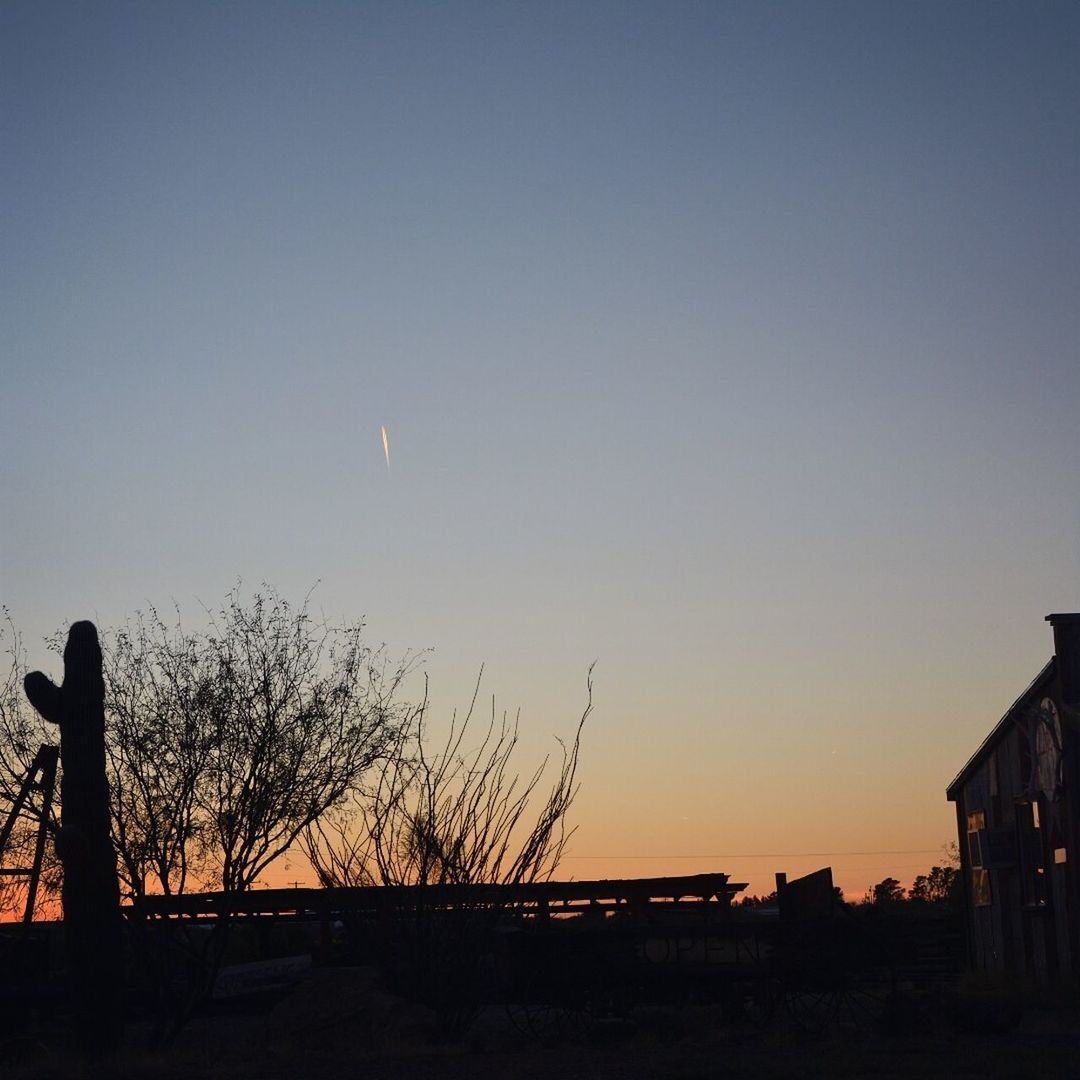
[(771, 855)]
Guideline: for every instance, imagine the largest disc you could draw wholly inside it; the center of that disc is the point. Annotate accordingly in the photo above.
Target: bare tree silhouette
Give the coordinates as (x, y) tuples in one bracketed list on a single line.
[(452, 815), (227, 743)]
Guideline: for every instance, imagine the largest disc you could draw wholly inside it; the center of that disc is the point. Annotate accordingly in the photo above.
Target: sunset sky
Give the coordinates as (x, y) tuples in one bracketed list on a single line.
[(731, 345)]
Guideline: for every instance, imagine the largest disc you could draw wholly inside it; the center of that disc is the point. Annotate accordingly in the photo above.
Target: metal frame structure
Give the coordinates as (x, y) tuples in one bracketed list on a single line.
[(40, 778)]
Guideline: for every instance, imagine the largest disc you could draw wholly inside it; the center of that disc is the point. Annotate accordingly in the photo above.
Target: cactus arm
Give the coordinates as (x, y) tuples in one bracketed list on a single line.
[(44, 695)]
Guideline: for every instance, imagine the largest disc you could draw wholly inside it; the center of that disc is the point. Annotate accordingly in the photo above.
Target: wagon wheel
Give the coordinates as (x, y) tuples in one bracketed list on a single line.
[(548, 1007), (867, 1000), (553, 1010), (547, 1021), (813, 985), (760, 1000), (813, 1008)]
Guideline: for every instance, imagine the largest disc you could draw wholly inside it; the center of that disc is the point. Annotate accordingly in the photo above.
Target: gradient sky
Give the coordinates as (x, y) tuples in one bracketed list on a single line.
[(732, 345)]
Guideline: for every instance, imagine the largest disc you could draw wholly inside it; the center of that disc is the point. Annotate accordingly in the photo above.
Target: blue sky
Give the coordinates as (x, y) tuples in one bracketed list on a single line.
[(731, 345)]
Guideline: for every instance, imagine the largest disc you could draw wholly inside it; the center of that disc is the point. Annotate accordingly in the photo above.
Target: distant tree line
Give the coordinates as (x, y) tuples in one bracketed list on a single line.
[(939, 885)]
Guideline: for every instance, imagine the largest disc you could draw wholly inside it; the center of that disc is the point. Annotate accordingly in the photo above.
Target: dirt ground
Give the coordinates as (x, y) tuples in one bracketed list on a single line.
[(685, 1044)]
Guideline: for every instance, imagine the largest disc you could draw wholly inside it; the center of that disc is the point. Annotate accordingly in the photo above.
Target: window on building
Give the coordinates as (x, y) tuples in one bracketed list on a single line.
[(1032, 848), (980, 876), (976, 823), (980, 887)]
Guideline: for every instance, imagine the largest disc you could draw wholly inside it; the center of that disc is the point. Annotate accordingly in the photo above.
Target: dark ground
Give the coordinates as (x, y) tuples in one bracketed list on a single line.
[(392, 1042)]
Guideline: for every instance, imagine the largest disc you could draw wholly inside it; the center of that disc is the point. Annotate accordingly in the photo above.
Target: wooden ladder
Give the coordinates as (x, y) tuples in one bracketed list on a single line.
[(39, 778)]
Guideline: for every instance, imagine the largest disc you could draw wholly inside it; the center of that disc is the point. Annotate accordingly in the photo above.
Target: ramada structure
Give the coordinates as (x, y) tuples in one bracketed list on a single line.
[(1018, 821)]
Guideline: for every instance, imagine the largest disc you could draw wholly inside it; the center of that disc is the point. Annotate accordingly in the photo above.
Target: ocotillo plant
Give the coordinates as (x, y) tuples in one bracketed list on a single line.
[(91, 894)]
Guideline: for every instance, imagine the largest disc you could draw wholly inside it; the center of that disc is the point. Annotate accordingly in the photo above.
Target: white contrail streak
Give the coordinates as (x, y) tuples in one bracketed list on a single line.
[(386, 447)]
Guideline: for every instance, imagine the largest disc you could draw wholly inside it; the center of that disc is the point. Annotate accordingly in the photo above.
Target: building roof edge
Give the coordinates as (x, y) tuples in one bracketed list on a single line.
[(998, 731)]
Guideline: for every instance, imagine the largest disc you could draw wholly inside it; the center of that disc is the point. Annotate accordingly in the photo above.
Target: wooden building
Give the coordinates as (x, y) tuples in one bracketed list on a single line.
[(1018, 822)]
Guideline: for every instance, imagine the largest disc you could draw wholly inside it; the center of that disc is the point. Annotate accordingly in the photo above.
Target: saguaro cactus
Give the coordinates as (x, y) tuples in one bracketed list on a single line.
[(91, 894)]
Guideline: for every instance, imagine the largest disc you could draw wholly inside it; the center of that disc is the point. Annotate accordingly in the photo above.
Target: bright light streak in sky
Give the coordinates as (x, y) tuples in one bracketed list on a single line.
[(386, 447)]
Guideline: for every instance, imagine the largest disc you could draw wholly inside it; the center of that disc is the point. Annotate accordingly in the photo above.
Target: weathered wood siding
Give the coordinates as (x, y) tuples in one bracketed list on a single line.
[(1014, 935)]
